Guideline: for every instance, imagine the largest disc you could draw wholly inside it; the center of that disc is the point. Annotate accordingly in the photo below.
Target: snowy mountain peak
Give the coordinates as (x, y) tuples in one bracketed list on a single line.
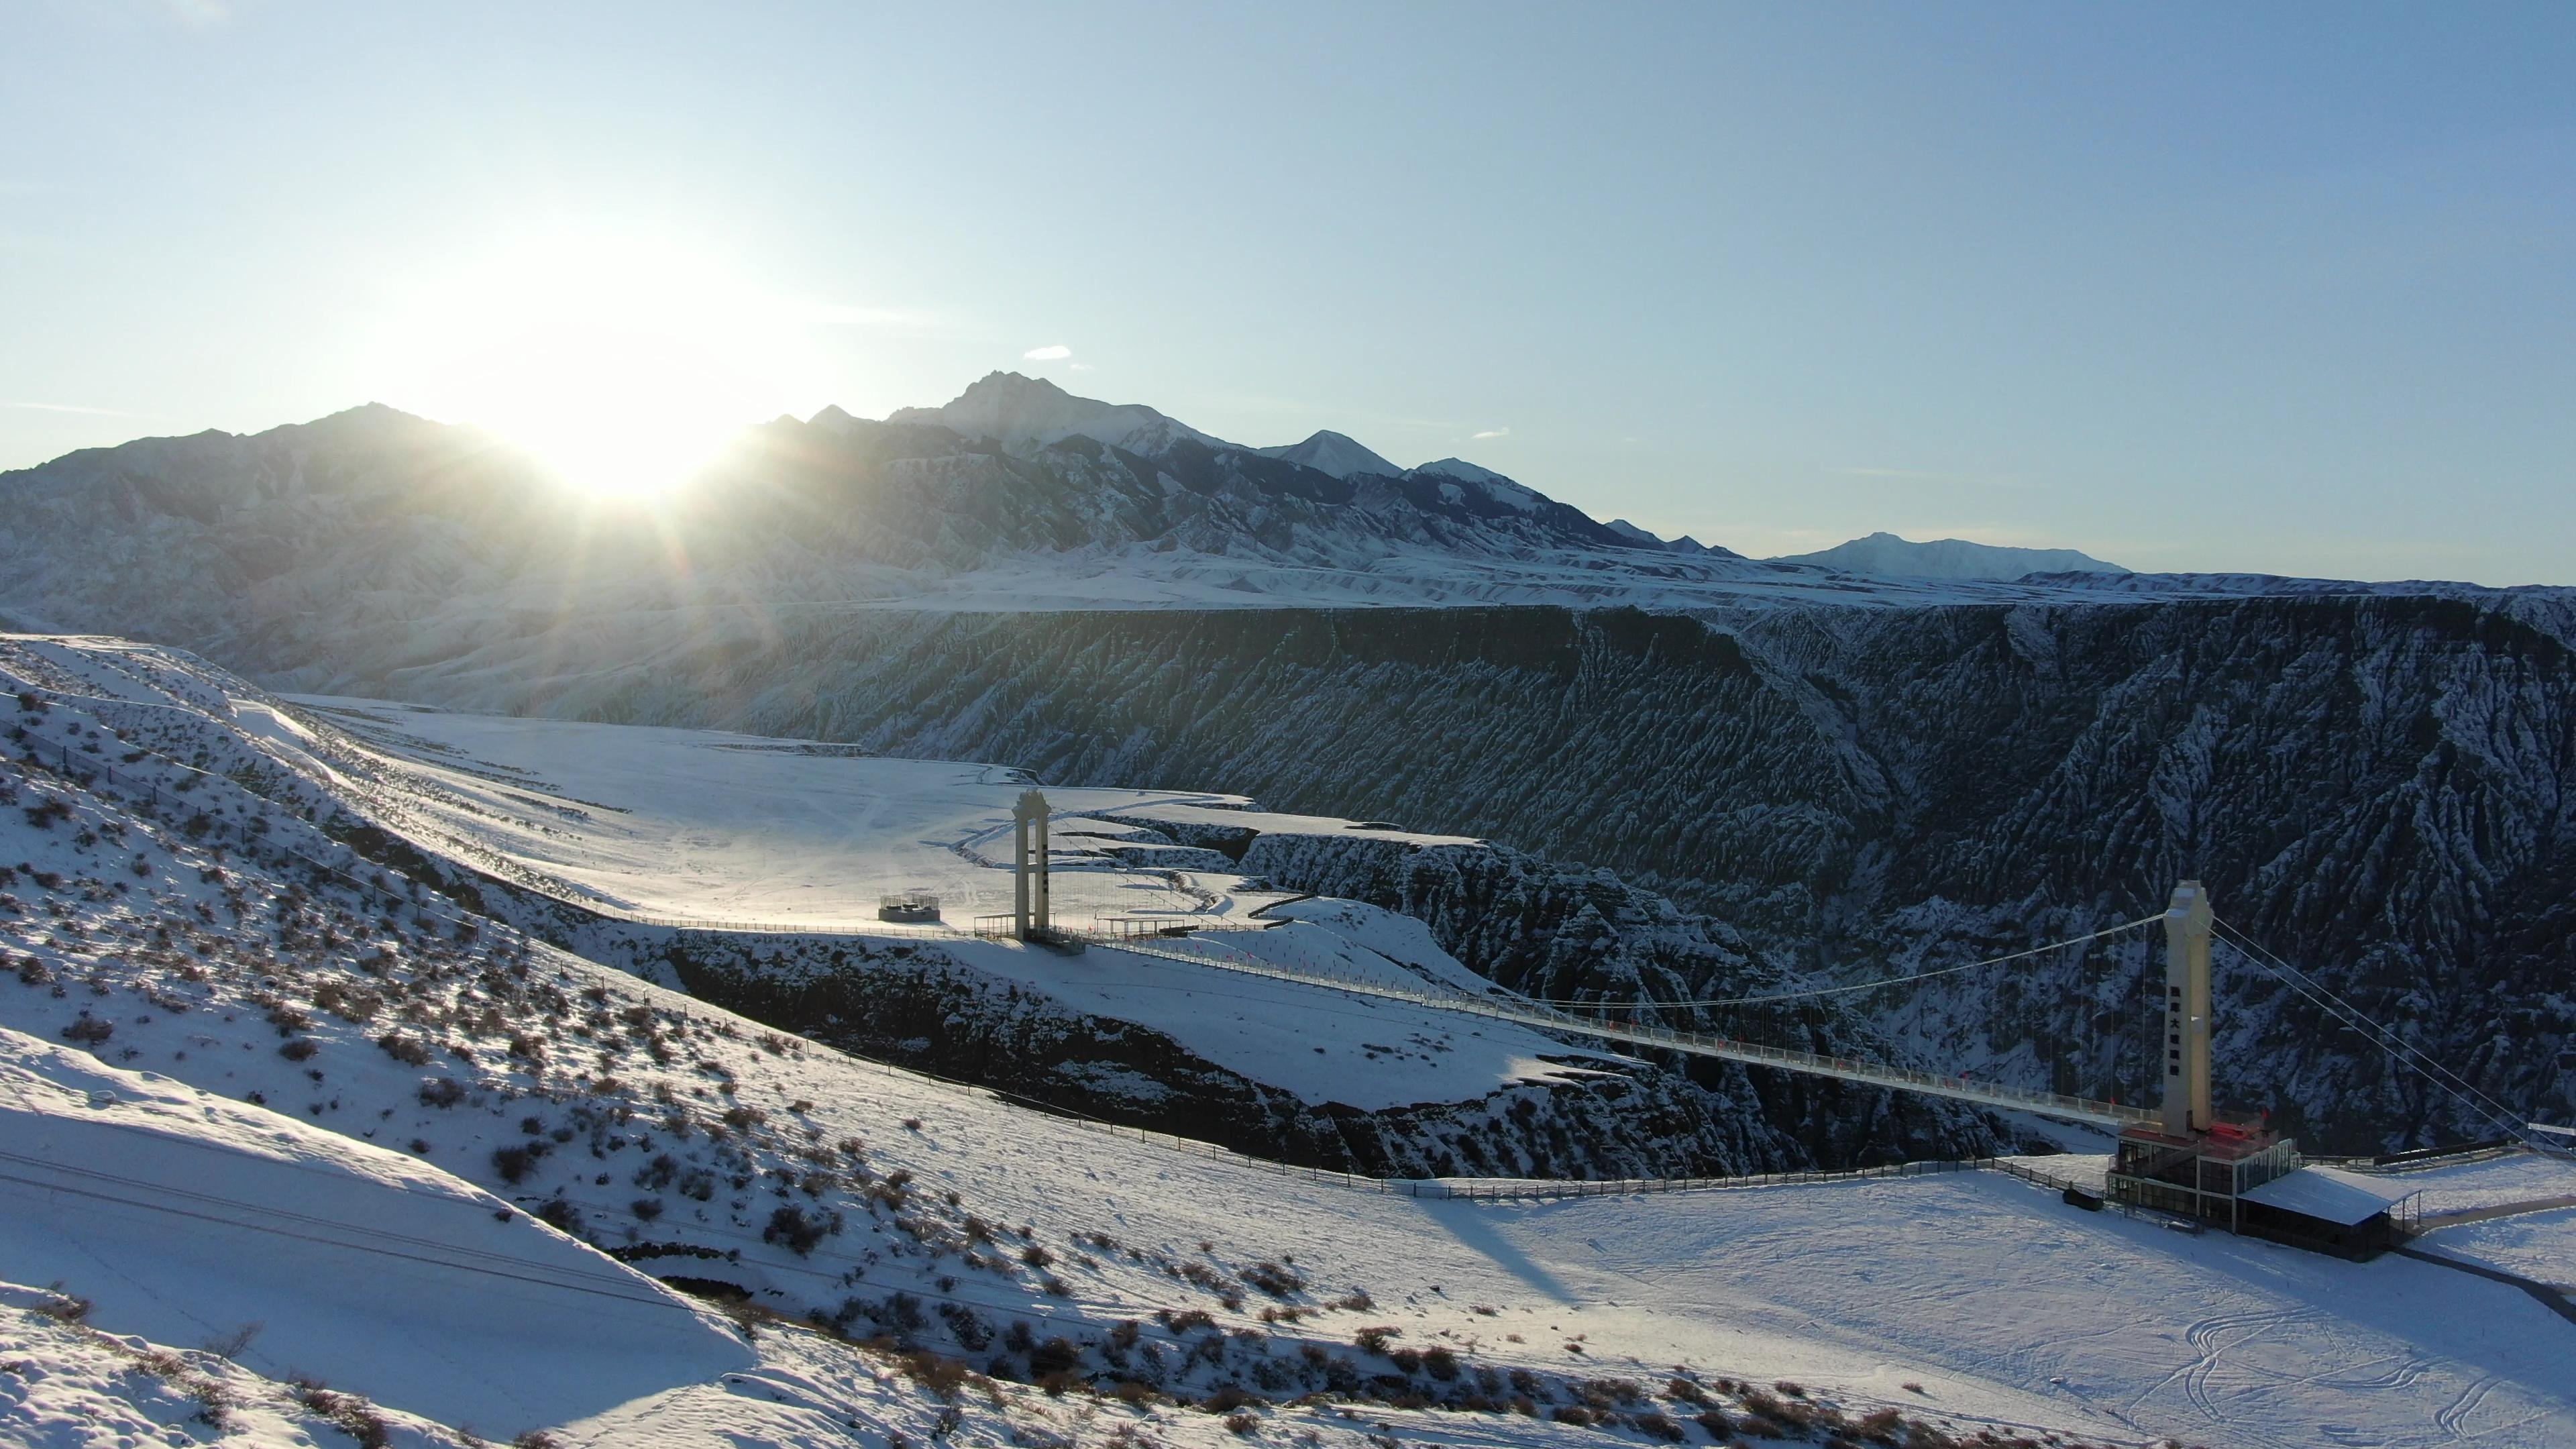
[(1462, 470), (1949, 558), (1335, 453), (1495, 487), (1010, 408)]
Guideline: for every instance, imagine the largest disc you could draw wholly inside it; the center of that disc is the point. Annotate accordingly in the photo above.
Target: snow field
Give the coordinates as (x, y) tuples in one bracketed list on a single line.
[(186, 1216), (774, 831), (66, 1385)]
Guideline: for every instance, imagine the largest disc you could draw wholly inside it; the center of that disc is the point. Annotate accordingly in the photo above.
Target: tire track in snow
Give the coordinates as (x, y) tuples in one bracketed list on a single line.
[(2211, 1341), (2450, 1418)]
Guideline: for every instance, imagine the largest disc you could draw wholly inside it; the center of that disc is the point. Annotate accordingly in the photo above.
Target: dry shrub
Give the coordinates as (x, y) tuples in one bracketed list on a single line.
[(348, 1413), (411, 1051), (936, 1372), (1274, 1279)]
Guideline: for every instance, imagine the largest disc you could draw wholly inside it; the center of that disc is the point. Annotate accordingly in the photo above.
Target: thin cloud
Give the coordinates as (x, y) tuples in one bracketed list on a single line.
[(1493, 433), (1081, 367), (45, 407), (1056, 352)]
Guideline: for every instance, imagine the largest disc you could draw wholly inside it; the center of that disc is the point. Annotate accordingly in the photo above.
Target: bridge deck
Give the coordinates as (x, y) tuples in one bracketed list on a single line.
[(1200, 952)]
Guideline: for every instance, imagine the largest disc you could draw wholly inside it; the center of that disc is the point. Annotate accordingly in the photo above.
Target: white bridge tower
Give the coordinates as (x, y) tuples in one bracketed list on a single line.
[(1031, 919), (2187, 924)]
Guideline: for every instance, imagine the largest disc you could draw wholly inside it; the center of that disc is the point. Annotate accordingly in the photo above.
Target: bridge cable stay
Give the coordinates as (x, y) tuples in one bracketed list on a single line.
[(1864, 985), (2352, 1016)]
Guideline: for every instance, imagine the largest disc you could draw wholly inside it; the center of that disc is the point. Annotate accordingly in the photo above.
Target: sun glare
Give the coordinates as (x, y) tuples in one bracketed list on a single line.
[(624, 365)]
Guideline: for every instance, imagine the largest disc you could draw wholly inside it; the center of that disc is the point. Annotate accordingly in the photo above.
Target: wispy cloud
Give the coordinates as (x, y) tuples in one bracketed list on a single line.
[(198, 12), (1081, 367), (1493, 433), (46, 407), (1056, 352)]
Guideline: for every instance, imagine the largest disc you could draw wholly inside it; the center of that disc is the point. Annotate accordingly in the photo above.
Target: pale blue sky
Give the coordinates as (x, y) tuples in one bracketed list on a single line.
[(2183, 286)]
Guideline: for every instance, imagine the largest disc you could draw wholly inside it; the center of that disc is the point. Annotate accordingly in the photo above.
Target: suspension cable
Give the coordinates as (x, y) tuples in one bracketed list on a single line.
[(2352, 1016), (1870, 985), (2386, 1035)]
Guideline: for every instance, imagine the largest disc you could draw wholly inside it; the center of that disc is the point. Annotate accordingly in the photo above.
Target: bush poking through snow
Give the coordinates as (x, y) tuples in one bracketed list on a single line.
[(411, 1051), (1274, 1279), (515, 1162), (349, 1413), (1658, 1426), (798, 1231), (938, 1373), (66, 1308)]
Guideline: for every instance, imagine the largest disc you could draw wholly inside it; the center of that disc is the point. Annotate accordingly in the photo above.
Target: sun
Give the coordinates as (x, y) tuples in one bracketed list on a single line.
[(624, 364)]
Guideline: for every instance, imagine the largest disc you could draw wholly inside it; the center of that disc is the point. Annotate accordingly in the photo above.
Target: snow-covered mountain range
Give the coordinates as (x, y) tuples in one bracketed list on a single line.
[(1949, 558)]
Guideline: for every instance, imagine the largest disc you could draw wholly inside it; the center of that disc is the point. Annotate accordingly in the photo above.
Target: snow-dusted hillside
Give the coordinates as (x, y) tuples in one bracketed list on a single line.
[(199, 916), (184, 1214)]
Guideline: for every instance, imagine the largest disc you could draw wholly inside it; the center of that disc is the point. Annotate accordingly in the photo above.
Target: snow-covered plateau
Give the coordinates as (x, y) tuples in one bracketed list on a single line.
[(314, 1131)]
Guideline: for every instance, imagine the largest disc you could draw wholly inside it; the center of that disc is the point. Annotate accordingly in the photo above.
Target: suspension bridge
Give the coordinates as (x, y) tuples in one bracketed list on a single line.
[(1199, 951)]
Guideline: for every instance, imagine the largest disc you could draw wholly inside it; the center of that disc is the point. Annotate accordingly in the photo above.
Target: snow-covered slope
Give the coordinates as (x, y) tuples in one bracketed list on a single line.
[(1949, 558), (185, 1215)]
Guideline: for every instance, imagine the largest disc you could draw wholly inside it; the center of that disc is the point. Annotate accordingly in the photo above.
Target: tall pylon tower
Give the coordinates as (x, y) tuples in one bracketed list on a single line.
[(1032, 919), (2187, 926)]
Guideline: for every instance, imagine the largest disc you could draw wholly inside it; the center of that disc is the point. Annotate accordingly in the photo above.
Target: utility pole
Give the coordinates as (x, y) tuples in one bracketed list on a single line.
[(2188, 918)]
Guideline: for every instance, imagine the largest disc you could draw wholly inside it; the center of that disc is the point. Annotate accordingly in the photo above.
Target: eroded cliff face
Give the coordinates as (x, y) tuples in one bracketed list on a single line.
[(916, 1006), (2377, 788)]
